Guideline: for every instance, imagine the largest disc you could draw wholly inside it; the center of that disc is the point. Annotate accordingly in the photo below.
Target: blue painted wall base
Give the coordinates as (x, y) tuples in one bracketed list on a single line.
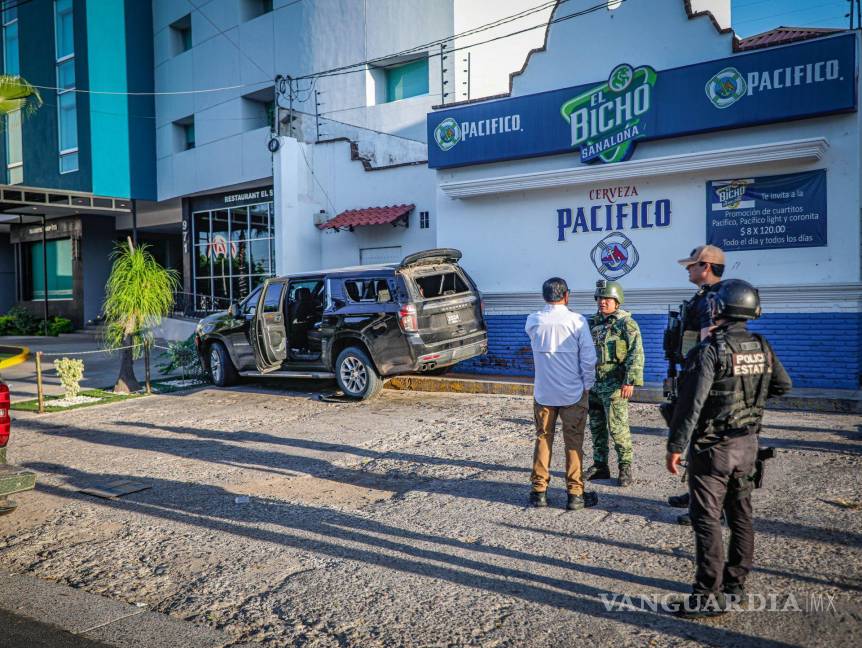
[(817, 349)]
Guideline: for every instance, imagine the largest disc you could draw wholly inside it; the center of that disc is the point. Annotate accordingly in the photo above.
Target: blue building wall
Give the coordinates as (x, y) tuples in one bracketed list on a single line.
[(817, 349)]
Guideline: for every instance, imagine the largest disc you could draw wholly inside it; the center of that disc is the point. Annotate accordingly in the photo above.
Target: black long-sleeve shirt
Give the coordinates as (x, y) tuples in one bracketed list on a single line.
[(701, 369)]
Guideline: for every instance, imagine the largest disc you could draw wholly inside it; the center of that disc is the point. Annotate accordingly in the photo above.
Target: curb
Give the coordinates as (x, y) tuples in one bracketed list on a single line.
[(65, 611), (837, 401), (18, 358)]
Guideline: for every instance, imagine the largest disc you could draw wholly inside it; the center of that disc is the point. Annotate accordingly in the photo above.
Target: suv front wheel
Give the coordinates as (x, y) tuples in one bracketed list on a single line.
[(356, 375), (221, 368)]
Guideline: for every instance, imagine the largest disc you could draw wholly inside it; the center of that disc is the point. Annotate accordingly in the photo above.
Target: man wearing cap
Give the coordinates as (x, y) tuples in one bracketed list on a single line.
[(705, 266), (619, 368), (565, 363)]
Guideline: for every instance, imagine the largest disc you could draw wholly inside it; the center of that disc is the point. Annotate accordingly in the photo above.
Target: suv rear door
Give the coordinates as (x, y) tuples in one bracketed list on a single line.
[(268, 336), (448, 304)]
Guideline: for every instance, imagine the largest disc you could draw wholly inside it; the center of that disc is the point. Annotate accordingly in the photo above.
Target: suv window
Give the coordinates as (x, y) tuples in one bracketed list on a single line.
[(272, 299), (249, 304), (368, 290), (440, 284)]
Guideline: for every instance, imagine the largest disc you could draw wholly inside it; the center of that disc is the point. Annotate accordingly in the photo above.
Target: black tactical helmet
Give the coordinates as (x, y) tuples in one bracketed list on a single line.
[(735, 299), (605, 288)]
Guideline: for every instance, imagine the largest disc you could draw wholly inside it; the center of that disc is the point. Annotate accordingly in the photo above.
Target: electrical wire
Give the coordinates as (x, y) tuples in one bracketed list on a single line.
[(314, 176)]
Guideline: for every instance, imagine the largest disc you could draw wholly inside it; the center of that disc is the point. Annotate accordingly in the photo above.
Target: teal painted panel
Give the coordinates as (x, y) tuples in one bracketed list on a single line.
[(109, 113)]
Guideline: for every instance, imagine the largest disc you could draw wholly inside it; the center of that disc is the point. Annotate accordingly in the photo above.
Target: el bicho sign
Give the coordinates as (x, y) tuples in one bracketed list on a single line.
[(604, 121)]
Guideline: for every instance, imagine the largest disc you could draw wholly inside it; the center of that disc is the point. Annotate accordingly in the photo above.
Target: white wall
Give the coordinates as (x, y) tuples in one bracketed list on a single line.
[(300, 246)]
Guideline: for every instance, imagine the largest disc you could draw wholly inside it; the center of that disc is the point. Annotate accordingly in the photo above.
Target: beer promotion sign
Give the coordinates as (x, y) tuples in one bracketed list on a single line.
[(771, 212), (604, 121)]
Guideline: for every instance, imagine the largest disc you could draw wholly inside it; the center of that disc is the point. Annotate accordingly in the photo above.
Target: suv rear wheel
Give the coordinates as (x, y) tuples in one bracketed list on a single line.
[(356, 375), (222, 371)]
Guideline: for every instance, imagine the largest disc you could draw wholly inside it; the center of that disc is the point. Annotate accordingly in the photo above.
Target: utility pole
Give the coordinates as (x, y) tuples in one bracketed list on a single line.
[(467, 72), (317, 113), (855, 9)]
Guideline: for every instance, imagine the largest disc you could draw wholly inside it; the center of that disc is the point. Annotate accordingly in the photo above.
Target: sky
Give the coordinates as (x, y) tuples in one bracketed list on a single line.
[(755, 16)]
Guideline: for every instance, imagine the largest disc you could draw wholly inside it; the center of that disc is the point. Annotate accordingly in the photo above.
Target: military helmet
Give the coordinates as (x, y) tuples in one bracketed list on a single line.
[(605, 288), (735, 299)]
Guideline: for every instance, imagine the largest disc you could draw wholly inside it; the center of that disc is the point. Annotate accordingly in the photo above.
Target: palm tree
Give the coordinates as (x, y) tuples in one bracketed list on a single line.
[(138, 294), (18, 94)]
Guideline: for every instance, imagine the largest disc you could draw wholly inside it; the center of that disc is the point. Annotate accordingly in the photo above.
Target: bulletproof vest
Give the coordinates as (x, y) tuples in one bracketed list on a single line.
[(738, 393), (611, 338)]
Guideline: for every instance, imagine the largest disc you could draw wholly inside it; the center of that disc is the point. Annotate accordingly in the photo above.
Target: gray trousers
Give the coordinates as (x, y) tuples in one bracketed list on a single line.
[(719, 479)]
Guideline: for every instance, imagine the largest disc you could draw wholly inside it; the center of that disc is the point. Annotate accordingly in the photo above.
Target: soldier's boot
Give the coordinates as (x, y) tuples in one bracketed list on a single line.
[(538, 499), (625, 478), (679, 501), (695, 606), (598, 471)]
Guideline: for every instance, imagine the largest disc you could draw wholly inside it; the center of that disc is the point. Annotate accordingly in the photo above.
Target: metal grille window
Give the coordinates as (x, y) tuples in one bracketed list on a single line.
[(11, 66), (67, 108), (234, 252), (424, 220)]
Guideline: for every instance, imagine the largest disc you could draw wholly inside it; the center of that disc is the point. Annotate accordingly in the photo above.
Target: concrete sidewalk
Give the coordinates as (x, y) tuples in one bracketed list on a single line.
[(40, 613), (100, 367), (813, 400)]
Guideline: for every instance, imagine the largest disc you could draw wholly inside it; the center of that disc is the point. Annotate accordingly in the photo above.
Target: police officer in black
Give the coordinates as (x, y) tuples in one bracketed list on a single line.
[(722, 392), (705, 266)]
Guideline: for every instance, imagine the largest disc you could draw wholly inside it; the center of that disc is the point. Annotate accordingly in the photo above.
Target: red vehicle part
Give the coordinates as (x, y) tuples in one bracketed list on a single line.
[(5, 421)]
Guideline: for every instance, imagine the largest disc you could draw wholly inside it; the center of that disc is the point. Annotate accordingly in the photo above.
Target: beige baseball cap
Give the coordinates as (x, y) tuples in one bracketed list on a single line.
[(704, 254)]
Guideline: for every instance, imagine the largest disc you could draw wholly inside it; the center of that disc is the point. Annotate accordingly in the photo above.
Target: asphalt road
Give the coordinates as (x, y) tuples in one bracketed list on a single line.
[(282, 519)]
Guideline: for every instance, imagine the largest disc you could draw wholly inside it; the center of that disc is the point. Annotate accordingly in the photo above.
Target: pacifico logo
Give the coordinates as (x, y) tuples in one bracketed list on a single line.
[(726, 88), (447, 134), (606, 120)]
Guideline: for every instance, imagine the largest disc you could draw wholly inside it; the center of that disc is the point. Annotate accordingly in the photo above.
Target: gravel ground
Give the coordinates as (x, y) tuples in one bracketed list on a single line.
[(402, 522)]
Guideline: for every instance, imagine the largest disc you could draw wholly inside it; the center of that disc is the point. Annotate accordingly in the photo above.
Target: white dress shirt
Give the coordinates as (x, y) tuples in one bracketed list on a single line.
[(563, 354)]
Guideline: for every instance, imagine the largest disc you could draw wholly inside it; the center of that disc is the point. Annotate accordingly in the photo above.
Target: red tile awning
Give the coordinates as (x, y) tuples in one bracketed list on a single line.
[(782, 36), (368, 216)]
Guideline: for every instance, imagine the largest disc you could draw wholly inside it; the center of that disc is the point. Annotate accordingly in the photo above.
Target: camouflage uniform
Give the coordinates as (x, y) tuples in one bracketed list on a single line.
[(620, 361)]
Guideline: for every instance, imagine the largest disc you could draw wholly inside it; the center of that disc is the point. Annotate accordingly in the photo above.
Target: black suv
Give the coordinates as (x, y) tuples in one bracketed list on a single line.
[(356, 325)]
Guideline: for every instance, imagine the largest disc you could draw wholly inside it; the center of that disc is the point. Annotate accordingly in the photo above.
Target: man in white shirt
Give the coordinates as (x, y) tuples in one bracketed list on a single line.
[(565, 360)]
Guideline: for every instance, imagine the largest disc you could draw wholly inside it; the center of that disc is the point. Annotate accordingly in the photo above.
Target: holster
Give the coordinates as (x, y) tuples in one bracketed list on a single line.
[(763, 455)]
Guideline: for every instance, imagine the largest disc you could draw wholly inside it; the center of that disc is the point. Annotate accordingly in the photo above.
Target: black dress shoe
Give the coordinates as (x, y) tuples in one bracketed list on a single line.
[(598, 471), (537, 499), (679, 501)]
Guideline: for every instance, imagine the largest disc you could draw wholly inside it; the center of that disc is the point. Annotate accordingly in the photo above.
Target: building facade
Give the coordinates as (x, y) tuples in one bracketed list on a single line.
[(621, 164), (73, 166)]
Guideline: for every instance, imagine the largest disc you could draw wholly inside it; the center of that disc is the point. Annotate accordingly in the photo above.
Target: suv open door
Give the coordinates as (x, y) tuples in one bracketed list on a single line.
[(268, 335)]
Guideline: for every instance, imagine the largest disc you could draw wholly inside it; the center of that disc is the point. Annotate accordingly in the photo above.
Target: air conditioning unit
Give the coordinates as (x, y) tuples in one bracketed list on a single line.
[(321, 217)]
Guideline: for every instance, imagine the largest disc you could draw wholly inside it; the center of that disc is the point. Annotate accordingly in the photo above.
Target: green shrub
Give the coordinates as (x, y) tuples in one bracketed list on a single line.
[(182, 356), (71, 372), (19, 321), (5, 325), (58, 325)]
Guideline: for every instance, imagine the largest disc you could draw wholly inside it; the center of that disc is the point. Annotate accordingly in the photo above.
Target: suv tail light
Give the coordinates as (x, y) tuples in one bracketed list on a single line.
[(5, 421), (407, 318)]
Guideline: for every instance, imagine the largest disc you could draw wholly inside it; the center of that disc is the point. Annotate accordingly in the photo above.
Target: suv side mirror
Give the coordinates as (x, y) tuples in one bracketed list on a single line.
[(233, 309)]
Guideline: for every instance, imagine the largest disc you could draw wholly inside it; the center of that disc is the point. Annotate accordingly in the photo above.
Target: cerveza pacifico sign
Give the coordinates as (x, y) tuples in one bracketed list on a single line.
[(604, 121)]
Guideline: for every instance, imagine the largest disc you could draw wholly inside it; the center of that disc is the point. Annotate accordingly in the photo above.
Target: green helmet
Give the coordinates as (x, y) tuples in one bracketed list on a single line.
[(605, 288)]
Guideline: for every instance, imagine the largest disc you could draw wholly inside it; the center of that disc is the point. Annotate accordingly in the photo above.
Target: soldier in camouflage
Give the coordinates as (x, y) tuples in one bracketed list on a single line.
[(619, 368)]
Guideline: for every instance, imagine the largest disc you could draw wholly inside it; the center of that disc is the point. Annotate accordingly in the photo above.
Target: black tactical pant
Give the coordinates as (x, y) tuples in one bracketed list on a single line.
[(720, 478)]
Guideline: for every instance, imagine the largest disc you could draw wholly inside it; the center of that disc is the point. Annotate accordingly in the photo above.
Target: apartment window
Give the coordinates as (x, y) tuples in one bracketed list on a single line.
[(258, 109), (11, 66), (424, 220), (253, 8), (407, 80), (67, 108), (181, 34), (184, 133)]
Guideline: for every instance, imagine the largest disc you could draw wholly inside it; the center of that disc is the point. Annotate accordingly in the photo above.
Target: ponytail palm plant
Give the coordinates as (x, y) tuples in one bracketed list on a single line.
[(140, 292), (18, 94)]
